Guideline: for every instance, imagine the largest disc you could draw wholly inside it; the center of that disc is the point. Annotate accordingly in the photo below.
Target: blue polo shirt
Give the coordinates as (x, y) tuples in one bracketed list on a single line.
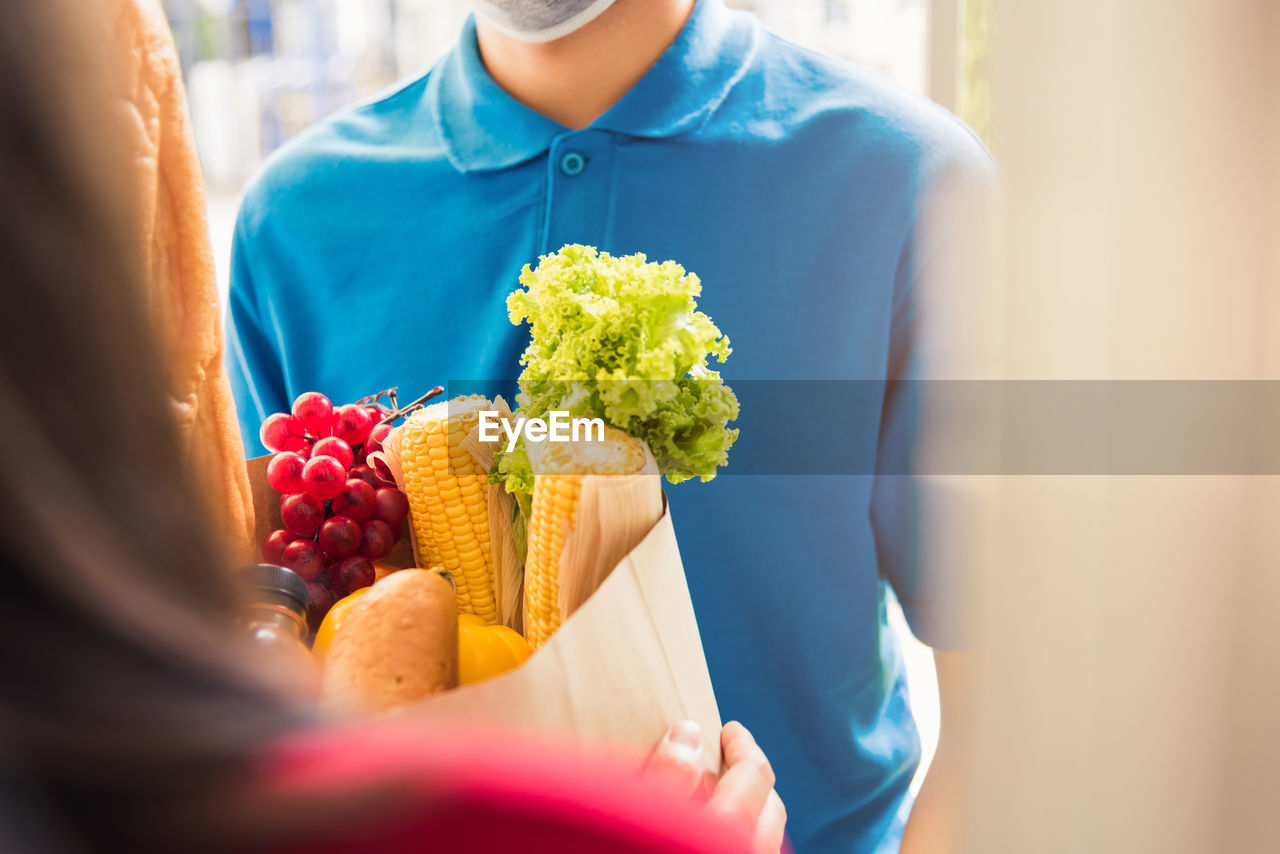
[(377, 249)]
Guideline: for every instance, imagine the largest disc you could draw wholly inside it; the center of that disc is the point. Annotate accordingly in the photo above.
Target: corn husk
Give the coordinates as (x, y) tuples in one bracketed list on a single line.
[(615, 512)]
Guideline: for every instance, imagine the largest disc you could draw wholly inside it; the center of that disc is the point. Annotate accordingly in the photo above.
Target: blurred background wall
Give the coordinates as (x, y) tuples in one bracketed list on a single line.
[(1130, 625)]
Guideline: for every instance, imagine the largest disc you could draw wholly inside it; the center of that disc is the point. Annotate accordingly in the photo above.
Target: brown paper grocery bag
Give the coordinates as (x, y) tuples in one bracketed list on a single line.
[(624, 667), (621, 669)]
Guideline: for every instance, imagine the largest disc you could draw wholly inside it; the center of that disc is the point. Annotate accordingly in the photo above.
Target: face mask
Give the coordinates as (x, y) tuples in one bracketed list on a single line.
[(539, 20)]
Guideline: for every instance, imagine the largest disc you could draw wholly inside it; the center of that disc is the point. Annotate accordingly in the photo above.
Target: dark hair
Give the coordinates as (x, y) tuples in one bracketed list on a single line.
[(122, 704)]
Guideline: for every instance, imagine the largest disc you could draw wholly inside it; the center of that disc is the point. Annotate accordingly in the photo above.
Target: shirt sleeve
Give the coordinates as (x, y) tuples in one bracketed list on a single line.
[(919, 501), (895, 498), (253, 353)]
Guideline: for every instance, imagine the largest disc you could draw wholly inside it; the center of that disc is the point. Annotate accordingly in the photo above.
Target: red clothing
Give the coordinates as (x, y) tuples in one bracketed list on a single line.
[(470, 793)]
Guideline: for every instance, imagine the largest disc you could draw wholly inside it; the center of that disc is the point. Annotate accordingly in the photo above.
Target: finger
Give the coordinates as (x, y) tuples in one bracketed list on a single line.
[(677, 760), (744, 788), (771, 828), (739, 747), (742, 792)]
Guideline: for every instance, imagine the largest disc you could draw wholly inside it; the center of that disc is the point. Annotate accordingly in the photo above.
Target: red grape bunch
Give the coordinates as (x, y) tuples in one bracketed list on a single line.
[(339, 513)]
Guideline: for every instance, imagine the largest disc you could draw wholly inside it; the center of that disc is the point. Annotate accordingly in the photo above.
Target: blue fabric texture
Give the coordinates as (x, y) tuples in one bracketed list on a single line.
[(377, 249)]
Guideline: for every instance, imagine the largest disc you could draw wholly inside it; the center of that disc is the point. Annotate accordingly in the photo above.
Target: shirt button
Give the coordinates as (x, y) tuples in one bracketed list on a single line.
[(573, 163)]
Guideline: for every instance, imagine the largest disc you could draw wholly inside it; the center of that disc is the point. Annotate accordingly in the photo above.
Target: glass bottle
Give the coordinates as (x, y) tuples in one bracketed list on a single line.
[(273, 605), (272, 615)]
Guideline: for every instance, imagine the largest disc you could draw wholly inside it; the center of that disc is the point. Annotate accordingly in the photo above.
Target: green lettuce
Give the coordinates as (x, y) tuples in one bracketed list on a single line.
[(620, 338)]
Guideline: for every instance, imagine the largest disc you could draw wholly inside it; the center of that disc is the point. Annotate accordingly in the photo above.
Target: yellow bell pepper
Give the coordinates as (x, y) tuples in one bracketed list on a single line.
[(485, 651), (333, 621)]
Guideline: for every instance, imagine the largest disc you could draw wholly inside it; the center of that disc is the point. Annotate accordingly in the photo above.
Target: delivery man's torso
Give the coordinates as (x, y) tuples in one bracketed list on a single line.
[(378, 249)]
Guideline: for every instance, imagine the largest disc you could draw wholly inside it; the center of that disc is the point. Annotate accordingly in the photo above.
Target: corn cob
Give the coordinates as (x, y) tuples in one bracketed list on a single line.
[(448, 500), (558, 472)]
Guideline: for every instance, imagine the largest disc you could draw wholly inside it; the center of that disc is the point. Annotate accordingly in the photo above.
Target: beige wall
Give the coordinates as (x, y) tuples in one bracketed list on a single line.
[(1129, 627)]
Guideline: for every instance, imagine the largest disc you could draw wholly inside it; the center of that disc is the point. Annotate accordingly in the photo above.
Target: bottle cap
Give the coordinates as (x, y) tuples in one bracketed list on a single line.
[(269, 578)]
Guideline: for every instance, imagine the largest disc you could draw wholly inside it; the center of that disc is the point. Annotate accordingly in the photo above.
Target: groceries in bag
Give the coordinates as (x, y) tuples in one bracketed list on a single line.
[(528, 533)]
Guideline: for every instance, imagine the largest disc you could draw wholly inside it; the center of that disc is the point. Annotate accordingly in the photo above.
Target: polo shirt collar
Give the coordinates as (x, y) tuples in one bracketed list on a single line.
[(484, 128)]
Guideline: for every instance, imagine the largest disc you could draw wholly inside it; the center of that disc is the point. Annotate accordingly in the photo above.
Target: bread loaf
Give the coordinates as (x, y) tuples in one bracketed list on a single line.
[(175, 252), (397, 644)]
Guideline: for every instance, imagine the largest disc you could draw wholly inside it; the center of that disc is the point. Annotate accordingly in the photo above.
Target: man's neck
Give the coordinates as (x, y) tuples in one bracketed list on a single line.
[(575, 79)]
